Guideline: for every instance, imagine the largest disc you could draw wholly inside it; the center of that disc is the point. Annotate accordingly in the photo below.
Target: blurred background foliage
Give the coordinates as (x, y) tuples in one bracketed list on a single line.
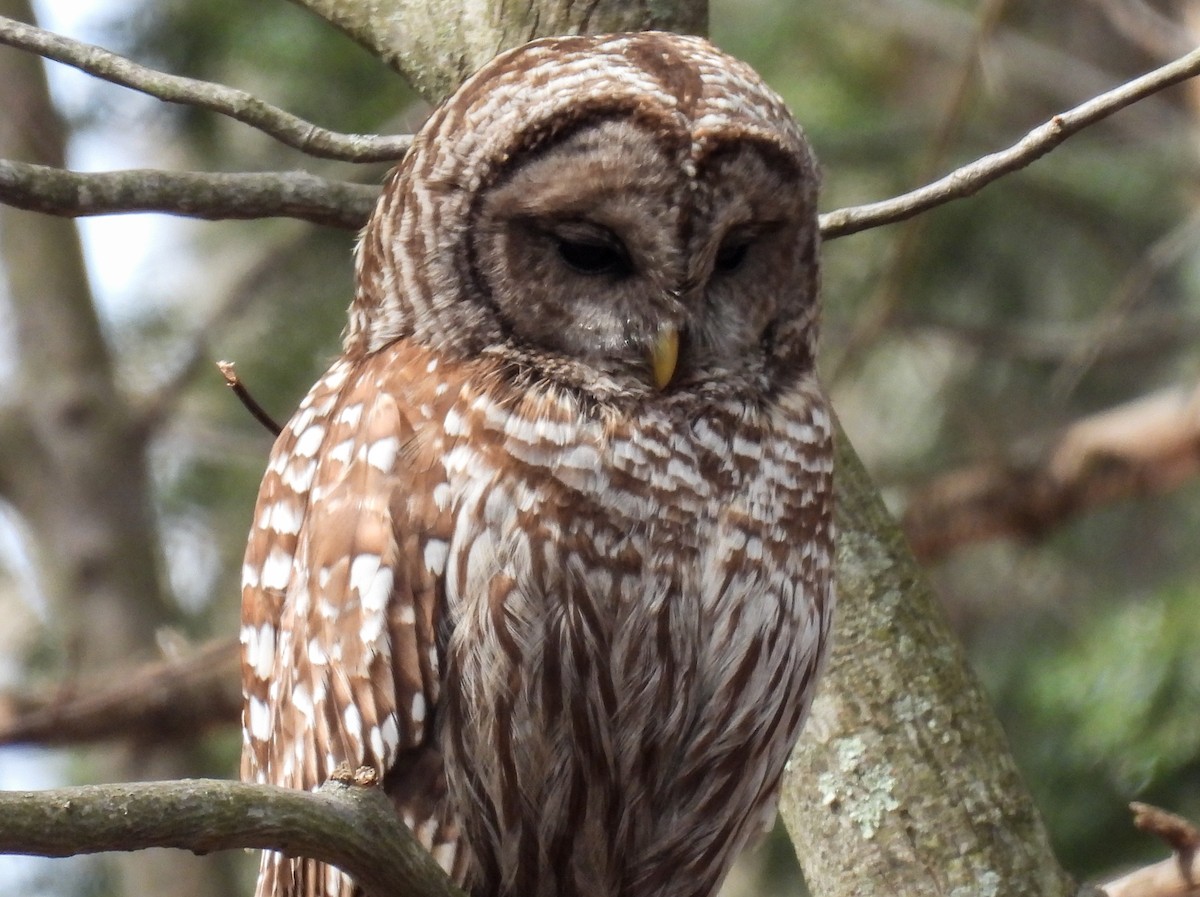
[(979, 328)]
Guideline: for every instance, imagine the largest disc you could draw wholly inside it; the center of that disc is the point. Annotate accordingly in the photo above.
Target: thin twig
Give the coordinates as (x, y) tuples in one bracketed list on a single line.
[(293, 194), (237, 104), (234, 382), (1028, 66), (1148, 28), (970, 179)]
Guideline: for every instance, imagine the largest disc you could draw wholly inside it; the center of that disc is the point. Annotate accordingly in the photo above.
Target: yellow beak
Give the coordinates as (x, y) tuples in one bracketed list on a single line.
[(664, 355)]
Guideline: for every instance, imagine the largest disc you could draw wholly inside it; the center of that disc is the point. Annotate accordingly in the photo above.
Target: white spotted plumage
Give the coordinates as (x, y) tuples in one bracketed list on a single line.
[(571, 616)]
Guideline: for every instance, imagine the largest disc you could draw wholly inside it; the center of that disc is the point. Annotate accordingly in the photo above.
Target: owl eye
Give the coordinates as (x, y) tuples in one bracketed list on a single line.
[(594, 256), (730, 255)]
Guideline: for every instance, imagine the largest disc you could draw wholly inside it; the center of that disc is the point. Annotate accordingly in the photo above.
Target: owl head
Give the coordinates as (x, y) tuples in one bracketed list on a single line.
[(622, 215)]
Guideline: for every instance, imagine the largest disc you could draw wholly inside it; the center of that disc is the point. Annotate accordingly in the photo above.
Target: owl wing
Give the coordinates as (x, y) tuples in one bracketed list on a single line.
[(340, 662)]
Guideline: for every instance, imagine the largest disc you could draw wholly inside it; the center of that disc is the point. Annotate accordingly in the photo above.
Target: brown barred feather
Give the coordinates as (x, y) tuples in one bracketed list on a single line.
[(573, 617)]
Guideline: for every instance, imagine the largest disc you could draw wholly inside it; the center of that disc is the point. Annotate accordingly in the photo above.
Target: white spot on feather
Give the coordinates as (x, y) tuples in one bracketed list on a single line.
[(435, 556), (298, 477), (444, 855), (316, 654), (352, 720), (342, 452), (277, 570), (310, 440), (284, 517), (335, 376), (375, 739), (260, 648), (375, 599), (454, 424), (390, 732), (362, 572), (260, 720), (302, 701), (351, 415), (382, 453)]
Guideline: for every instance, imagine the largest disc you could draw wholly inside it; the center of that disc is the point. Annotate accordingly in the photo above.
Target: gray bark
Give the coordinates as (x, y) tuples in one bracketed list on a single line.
[(903, 782)]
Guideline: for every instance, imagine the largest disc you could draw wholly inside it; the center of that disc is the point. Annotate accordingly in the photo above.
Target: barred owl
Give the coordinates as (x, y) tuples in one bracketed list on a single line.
[(549, 545)]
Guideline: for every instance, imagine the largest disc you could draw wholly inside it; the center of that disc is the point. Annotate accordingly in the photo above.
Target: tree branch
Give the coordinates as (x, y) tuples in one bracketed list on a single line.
[(229, 371), (153, 703), (1177, 877), (294, 194), (343, 823), (1145, 447), (237, 104), (340, 204), (972, 178)]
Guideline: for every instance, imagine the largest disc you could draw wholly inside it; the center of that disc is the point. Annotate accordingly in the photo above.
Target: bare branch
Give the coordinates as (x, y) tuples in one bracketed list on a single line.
[(1146, 447), (343, 823), (1176, 877), (293, 194), (970, 179), (258, 412), (1033, 68), (152, 703), (339, 204), (1179, 833), (237, 104)]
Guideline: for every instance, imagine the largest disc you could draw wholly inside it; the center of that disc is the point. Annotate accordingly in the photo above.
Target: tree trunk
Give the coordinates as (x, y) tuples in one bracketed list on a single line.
[(435, 44), (902, 782)]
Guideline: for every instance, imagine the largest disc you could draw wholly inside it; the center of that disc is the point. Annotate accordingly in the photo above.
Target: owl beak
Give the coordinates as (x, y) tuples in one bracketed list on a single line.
[(664, 355)]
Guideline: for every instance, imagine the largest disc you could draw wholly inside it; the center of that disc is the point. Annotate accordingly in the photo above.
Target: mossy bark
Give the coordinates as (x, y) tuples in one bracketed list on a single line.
[(903, 782)]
